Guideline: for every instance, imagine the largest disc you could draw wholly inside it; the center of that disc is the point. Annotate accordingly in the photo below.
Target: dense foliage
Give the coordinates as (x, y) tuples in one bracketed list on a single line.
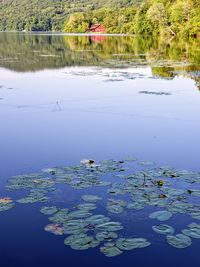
[(48, 15), (147, 17), (152, 17)]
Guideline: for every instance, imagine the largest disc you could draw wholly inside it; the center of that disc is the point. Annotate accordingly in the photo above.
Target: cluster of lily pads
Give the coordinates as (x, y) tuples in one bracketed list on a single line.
[(86, 230), (129, 186)]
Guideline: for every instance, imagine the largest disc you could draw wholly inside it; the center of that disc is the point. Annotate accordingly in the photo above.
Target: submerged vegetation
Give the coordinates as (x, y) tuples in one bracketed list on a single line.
[(128, 187), (148, 17)]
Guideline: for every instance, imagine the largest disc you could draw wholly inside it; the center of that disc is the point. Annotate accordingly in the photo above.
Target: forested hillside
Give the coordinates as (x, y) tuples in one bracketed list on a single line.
[(48, 15), (146, 17), (151, 17)]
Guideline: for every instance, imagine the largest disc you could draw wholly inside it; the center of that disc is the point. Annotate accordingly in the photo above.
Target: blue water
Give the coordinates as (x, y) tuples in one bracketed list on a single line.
[(56, 117)]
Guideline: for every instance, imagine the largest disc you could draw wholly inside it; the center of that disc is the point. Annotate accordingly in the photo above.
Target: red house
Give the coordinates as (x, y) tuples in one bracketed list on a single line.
[(96, 28)]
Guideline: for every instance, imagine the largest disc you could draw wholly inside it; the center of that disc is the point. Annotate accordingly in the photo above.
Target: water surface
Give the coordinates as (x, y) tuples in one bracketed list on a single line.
[(64, 98)]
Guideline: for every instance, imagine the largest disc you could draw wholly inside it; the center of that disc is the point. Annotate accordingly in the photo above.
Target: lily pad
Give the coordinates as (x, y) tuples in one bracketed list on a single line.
[(163, 229), (81, 242), (193, 230), (116, 206), (91, 198), (162, 215), (132, 243), (179, 240), (106, 236), (48, 210), (109, 226), (75, 226), (110, 250)]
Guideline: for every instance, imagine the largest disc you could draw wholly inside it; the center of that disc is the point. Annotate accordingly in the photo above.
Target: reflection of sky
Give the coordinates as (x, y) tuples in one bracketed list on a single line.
[(96, 119)]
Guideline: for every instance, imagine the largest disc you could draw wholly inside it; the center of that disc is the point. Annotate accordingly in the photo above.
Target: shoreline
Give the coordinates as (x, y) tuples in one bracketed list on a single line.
[(68, 34)]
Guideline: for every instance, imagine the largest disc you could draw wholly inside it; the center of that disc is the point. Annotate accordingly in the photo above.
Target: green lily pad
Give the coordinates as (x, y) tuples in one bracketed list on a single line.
[(109, 226), (132, 243), (110, 250), (97, 219), (163, 229), (81, 242), (179, 240), (60, 217), (192, 231), (116, 206), (86, 206), (48, 210), (91, 198), (135, 205), (162, 215), (6, 206), (75, 226), (106, 236)]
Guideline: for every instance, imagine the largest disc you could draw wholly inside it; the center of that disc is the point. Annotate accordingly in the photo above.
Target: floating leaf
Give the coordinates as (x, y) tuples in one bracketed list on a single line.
[(192, 231), (48, 210), (60, 217), (161, 215), (132, 243), (91, 198), (106, 236), (97, 219), (6, 206), (116, 206), (81, 242), (109, 226), (179, 240), (75, 226), (163, 229), (110, 250)]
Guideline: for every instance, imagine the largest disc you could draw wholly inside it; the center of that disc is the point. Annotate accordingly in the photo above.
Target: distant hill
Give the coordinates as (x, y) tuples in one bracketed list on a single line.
[(165, 18), (47, 15)]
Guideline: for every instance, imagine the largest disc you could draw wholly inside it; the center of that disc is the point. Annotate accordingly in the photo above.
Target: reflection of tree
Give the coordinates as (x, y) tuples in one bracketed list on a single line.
[(164, 72), (26, 52)]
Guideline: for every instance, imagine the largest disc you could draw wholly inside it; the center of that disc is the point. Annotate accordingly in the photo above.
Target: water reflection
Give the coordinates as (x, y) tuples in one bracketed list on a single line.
[(32, 52)]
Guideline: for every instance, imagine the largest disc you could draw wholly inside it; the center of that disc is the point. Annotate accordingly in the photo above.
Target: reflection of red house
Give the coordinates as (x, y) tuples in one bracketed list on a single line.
[(96, 28)]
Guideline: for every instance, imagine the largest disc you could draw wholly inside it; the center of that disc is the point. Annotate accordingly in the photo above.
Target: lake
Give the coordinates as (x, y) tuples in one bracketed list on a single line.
[(110, 99)]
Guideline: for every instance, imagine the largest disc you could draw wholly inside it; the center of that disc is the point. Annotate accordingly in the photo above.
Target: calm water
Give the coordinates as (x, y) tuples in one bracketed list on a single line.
[(64, 98)]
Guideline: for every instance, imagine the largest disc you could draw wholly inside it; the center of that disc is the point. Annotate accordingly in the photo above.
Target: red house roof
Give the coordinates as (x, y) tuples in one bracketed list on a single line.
[(96, 28)]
